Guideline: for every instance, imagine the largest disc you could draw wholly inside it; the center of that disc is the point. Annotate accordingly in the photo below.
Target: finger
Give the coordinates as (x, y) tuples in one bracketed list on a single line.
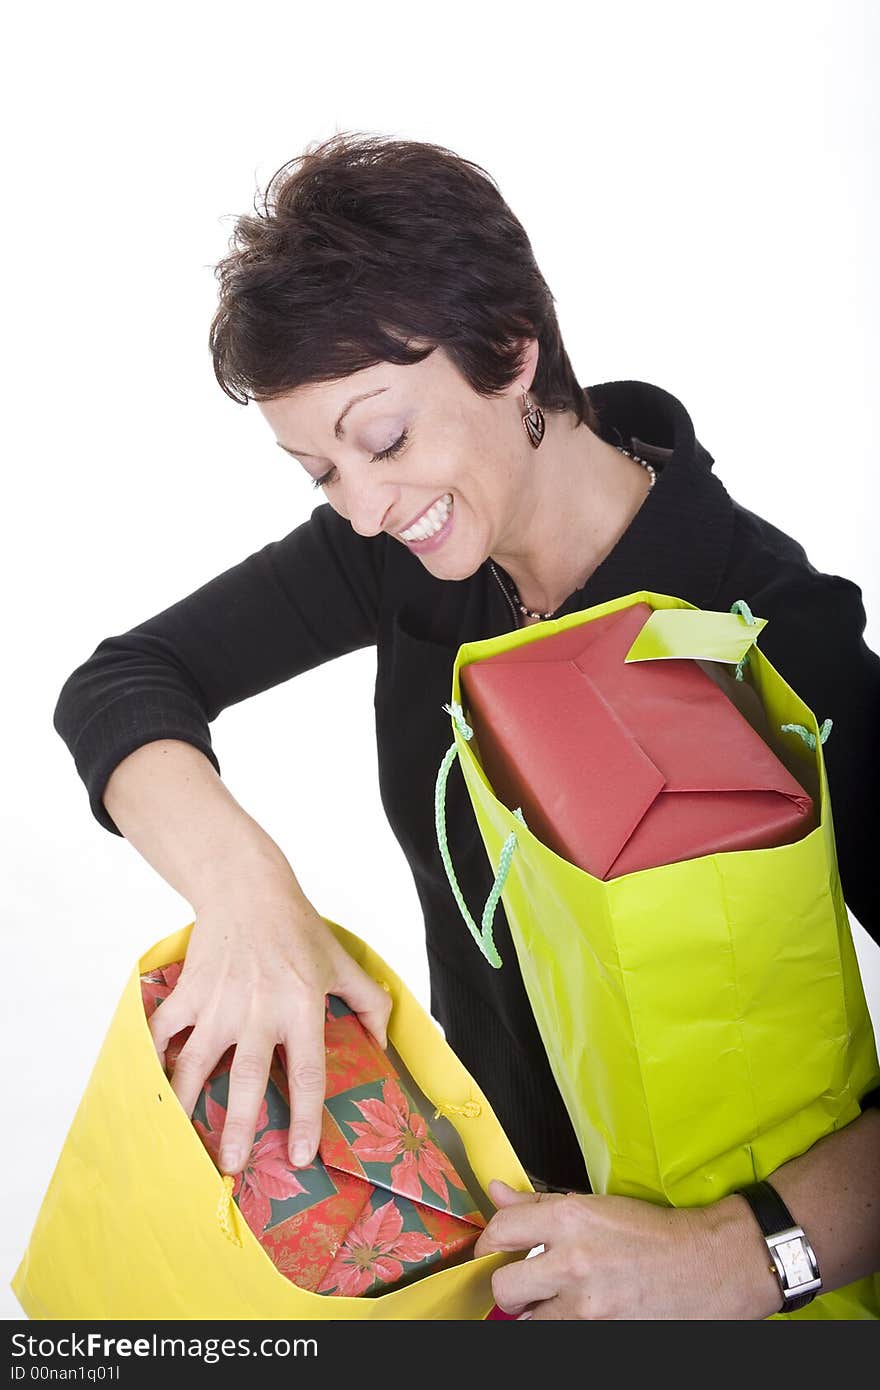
[(175, 1047), (247, 1093), (517, 1285), (523, 1225), (553, 1310), (172, 1014), (503, 1195), (197, 1060), (365, 997), (306, 1083)]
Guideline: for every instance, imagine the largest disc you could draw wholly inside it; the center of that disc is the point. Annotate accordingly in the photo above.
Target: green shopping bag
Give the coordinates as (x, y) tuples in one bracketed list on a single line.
[(704, 1020)]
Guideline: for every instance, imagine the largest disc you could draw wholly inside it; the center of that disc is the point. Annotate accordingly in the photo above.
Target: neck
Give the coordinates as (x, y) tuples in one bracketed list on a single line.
[(577, 498)]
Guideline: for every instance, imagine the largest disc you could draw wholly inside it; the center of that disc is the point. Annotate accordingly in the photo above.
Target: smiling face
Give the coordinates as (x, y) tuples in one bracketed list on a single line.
[(422, 456)]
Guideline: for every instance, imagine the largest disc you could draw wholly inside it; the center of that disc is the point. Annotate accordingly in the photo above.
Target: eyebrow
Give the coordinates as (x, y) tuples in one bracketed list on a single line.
[(337, 428)]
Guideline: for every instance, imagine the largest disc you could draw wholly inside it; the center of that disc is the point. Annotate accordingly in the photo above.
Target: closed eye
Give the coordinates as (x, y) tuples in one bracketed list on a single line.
[(393, 449)]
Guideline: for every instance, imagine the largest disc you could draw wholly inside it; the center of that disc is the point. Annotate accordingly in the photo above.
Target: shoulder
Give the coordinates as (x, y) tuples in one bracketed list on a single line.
[(815, 638), (808, 611)]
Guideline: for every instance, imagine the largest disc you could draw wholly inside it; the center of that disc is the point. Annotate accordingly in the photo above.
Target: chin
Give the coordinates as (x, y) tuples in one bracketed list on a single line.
[(447, 567), (460, 558)]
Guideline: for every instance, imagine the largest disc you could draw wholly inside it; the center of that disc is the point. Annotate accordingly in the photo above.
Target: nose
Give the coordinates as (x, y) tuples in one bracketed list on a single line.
[(369, 505)]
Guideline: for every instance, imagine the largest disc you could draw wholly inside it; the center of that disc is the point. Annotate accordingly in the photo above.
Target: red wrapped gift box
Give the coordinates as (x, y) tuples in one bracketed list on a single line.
[(380, 1205), (619, 767)]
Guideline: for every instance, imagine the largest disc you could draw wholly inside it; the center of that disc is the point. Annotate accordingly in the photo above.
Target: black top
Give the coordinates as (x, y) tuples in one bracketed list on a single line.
[(323, 590)]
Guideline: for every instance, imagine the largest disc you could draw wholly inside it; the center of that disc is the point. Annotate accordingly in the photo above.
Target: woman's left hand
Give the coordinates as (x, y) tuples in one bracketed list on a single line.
[(612, 1257)]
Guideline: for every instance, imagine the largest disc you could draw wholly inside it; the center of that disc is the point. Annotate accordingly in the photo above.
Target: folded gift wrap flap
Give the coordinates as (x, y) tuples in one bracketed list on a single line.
[(621, 765), (381, 1204)]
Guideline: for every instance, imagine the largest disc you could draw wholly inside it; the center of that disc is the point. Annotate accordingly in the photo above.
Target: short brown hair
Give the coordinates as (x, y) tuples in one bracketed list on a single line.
[(364, 247)]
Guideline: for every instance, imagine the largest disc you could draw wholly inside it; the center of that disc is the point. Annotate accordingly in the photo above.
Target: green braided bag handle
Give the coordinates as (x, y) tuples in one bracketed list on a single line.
[(483, 934)]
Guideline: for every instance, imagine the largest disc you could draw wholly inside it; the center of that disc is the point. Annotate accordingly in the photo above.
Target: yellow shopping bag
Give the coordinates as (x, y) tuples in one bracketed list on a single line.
[(137, 1221), (705, 1020)]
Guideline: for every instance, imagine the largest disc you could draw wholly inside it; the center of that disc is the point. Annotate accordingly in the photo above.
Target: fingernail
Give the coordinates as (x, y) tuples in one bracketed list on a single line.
[(302, 1153), (522, 1317), (230, 1160)]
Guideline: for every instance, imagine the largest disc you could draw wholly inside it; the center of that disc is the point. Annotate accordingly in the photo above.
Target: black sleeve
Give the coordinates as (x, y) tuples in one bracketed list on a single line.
[(815, 639), (298, 602)]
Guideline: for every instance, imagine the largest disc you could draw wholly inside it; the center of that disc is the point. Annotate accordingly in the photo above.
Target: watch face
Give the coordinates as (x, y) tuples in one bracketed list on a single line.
[(796, 1262)]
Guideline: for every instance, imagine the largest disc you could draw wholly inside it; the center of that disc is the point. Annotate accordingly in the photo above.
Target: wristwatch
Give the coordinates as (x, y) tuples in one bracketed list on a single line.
[(793, 1260)]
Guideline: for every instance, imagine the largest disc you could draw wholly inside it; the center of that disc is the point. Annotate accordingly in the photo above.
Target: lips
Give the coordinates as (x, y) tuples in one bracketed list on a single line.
[(427, 523)]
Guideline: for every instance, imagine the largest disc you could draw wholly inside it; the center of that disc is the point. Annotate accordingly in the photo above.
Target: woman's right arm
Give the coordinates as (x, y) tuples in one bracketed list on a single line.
[(260, 959), (135, 716)]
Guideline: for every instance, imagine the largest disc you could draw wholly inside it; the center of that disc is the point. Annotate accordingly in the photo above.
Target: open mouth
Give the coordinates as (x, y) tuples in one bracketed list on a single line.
[(430, 523)]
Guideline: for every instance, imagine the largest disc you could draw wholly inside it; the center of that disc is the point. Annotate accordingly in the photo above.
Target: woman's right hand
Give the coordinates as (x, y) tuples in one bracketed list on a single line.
[(259, 964)]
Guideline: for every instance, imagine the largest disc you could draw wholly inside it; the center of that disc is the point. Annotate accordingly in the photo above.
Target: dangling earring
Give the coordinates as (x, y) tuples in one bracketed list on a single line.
[(533, 420)]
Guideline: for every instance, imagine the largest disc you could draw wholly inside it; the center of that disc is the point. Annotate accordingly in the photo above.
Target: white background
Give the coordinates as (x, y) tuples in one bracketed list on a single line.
[(698, 182)]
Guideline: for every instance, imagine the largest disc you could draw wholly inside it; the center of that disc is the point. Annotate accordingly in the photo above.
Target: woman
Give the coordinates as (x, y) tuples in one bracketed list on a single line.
[(385, 311)]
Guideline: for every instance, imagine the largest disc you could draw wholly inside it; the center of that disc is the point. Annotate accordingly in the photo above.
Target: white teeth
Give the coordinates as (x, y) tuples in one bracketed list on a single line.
[(431, 521)]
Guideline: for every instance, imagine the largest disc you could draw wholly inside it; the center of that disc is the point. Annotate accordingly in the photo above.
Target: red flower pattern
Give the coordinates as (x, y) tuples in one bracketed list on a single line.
[(267, 1172), (373, 1250), (157, 984), (397, 1135)]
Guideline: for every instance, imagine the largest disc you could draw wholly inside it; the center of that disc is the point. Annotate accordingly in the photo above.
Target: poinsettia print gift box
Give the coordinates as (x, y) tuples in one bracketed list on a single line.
[(382, 1203)]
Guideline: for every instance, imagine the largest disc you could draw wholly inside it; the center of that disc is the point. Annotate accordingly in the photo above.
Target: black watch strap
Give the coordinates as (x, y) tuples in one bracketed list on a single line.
[(775, 1220), (771, 1213)]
